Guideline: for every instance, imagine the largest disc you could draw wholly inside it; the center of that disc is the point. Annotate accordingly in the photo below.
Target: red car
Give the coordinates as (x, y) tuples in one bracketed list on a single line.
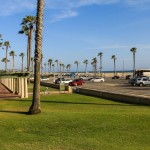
[(76, 82)]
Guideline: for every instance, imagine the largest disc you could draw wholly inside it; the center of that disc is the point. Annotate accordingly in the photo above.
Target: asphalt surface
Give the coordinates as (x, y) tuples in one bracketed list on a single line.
[(118, 86)]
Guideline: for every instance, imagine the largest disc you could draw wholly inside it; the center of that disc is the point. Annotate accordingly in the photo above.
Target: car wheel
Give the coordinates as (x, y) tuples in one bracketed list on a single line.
[(141, 84)]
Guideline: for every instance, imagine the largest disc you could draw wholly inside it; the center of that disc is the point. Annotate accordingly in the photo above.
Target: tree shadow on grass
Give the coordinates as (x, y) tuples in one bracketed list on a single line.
[(86, 103), (15, 112)]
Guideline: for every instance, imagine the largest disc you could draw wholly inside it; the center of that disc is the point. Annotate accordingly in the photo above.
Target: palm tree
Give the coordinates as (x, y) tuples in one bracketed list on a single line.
[(32, 61), (7, 45), (86, 63), (56, 61), (1, 43), (22, 57), (28, 25), (50, 61), (133, 50), (94, 63), (114, 59), (35, 107), (63, 67), (53, 65), (100, 54), (41, 62), (5, 60), (68, 67), (77, 63), (45, 67), (12, 53)]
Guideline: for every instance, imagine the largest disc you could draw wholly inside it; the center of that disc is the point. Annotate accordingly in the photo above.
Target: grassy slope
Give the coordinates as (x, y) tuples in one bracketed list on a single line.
[(42, 88), (74, 122)]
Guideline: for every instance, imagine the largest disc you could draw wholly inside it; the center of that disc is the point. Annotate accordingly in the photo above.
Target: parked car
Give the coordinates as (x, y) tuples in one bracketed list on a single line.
[(97, 79), (128, 77), (141, 81), (44, 78), (86, 78), (115, 77), (63, 80), (76, 82)]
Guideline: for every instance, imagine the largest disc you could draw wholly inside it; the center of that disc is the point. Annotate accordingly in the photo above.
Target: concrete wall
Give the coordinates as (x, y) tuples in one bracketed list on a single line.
[(114, 96), (55, 86)]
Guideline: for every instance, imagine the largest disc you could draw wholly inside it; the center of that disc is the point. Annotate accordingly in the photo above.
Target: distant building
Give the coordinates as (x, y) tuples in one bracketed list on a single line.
[(142, 72)]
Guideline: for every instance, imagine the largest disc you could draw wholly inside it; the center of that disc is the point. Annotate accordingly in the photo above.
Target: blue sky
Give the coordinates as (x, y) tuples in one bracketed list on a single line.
[(80, 29)]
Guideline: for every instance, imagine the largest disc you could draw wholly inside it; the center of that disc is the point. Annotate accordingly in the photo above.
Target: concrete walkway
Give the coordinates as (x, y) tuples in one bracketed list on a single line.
[(4, 93)]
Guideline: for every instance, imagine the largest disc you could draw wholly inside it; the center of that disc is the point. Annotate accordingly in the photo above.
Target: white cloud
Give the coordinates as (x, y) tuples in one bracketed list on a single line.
[(65, 8), (10, 7), (63, 15)]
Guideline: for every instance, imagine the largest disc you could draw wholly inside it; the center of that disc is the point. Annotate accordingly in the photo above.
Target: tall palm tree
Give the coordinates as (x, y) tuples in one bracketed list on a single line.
[(77, 63), (22, 57), (50, 61), (45, 67), (41, 62), (68, 67), (56, 61), (32, 62), (133, 50), (35, 107), (1, 43), (100, 67), (5, 60), (86, 63), (53, 65), (114, 59), (63, 67), (28, 27), (7, 45), (94, 63), (12, 53)]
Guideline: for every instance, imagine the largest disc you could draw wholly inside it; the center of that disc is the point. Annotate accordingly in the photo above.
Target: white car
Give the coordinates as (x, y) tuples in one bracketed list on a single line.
[(98, 80), (63, 80), (44, 79)]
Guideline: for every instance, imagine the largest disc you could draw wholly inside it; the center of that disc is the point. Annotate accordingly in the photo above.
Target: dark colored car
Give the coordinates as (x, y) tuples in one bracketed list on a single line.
[(128, 77), (115, 77), (76, 82)]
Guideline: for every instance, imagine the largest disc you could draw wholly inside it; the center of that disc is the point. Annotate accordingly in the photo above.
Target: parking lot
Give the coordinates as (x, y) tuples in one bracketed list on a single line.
[(119, 86)]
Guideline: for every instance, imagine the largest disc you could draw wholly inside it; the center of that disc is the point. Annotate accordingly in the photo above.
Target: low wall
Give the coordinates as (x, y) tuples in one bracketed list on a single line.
[(114, 96)]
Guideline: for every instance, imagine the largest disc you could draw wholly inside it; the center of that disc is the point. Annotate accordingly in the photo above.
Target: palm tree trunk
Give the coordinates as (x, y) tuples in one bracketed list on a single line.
[(114, 67), (22, 64), (6, 58), (133, 64), (35, 107), (13, 64)]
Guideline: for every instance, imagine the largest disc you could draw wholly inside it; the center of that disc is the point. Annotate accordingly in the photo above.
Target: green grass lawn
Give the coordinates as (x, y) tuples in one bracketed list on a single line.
[(42, 88), (74, 122)]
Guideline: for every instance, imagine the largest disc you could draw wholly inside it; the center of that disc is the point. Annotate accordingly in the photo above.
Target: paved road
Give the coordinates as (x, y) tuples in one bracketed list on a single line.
[(119, 86)]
